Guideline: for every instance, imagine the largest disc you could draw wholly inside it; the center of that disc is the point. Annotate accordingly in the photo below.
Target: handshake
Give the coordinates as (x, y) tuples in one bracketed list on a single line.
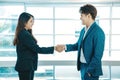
[(59, 48)]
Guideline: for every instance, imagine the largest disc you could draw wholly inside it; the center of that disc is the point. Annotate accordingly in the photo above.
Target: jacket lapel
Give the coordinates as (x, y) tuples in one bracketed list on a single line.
[(81, 35), (90, 30), (80, 41)]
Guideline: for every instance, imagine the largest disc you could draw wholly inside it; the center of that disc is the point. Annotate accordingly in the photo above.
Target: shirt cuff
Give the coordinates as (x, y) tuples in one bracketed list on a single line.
[(65, 47)]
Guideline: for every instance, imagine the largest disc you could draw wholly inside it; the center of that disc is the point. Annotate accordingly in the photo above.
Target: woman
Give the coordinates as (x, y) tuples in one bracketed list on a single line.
[(27, 48)]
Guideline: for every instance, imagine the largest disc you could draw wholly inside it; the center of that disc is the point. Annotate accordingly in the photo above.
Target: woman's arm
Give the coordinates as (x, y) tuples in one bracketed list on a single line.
[(28, 41)]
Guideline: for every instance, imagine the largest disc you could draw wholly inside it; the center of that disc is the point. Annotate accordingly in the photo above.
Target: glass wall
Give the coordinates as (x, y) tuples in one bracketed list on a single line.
[(58, 24)]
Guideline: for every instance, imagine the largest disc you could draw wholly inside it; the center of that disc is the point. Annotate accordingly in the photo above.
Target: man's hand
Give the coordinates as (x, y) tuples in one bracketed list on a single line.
[(60, 48), (89, 74)]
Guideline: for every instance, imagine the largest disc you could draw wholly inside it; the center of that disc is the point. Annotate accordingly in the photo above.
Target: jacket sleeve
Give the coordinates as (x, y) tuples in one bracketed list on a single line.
[(28, 41), (71, 47), (98, 43), (74, 47)]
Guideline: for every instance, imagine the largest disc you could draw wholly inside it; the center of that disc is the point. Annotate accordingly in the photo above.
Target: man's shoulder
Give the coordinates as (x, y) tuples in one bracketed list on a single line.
[(98, 28), (83, 29)]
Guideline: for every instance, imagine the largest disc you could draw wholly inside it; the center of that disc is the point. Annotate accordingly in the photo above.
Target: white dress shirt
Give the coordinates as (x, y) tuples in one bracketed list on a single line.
[(82, 58)]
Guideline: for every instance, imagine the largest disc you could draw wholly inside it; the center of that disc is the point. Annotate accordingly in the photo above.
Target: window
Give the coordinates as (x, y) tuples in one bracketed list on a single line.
[(58, 24), (7, 26), (115, 12), (67, 26), (8, 23), (115, 25), (40, 12), (67, 13), (9, 11), (103, 12), (43, 27), (115, 40), (105, 25)]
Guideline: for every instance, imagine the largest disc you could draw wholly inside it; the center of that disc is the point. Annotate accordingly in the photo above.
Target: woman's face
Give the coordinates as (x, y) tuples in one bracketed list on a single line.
[(29, 24)]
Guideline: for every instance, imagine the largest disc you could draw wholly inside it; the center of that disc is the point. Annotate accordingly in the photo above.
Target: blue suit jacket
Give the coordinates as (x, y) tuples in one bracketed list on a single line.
[(93, 47)]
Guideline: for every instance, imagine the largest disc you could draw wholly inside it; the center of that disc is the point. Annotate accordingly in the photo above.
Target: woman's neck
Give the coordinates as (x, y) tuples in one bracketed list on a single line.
[(26, 28)]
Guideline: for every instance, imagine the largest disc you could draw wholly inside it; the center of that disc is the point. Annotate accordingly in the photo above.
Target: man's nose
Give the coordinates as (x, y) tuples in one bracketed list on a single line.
[(80, 18)]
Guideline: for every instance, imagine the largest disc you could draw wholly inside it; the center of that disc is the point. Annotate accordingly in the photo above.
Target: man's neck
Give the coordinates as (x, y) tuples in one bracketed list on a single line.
[(89, 23)]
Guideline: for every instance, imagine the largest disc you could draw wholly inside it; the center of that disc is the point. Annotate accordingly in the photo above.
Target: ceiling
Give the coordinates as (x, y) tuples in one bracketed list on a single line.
[(59, 1)]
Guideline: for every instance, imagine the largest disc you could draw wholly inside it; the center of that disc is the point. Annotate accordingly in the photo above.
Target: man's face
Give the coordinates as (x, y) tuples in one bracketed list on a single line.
[(84, 18)]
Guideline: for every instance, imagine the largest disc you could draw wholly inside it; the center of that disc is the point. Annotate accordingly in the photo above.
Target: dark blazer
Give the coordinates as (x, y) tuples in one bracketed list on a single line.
[(27, 52), (93, 47)]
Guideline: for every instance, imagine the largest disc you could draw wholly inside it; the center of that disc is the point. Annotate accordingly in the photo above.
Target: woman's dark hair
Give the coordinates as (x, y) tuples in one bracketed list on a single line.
[(23, 19), (89, 9)]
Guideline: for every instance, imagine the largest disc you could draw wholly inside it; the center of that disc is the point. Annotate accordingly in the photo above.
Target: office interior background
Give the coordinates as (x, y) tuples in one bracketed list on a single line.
[(58, 22)]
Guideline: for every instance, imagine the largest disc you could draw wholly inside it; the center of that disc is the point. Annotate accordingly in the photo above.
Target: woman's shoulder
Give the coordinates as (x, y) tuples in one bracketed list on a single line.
[(23, 33)]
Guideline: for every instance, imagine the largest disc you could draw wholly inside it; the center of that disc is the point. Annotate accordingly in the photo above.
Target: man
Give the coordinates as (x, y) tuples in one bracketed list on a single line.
[(90, 45)]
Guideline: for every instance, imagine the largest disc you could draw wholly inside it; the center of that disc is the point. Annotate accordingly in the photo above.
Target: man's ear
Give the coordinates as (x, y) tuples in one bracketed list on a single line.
[(89, 15)]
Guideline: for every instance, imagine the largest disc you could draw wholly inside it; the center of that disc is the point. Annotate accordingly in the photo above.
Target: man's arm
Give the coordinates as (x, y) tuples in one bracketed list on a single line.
[(71, 47), (67, 47)]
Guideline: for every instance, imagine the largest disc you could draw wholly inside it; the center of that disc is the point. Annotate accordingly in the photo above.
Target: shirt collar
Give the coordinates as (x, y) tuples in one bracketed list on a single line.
[(86, 29)]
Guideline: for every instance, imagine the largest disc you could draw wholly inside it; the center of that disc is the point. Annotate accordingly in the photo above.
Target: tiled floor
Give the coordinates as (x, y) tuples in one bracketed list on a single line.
[(18, 79), (36, 79), (15, 78)]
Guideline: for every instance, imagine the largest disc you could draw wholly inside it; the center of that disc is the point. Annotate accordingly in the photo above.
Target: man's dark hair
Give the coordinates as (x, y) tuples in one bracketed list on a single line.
[(89, 9)]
